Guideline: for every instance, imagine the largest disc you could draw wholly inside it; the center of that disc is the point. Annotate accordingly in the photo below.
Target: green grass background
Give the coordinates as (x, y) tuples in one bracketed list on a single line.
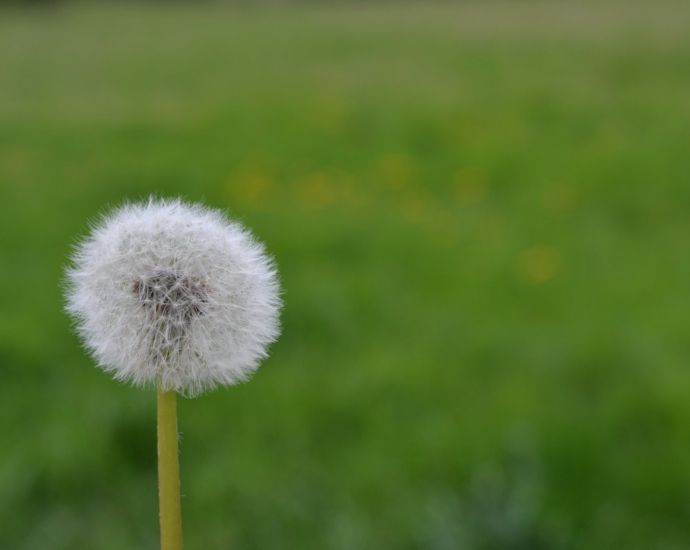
[(481, 215)]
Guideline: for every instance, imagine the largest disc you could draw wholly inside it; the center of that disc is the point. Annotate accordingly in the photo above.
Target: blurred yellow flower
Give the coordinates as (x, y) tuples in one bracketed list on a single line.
[(538, 264), (559, 199), (316, 190), (250, 184), (471, 184), (397, 170)]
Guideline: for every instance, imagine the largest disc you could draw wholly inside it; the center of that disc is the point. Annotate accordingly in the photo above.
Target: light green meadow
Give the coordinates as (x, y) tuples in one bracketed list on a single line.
[(481, 216)]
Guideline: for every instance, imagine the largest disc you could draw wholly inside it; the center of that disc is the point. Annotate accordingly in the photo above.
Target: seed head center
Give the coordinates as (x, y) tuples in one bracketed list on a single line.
[(171, 297)]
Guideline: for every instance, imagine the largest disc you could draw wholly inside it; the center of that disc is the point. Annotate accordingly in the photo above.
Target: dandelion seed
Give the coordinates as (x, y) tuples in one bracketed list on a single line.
[(169, 291)]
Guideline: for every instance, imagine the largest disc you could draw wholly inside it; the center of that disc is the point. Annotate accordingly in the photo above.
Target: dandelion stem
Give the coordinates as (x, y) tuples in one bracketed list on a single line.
[(168, 471)]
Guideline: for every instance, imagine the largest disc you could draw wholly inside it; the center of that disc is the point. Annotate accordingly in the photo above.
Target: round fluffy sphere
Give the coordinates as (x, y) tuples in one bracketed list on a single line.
[(174, 292)]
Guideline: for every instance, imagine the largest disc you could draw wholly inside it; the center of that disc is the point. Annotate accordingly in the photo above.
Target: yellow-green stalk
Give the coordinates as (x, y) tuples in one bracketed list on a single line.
[(169, 471)]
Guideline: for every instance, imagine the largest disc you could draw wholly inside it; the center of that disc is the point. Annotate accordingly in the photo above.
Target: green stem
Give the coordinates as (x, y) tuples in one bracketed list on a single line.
[(169, 472)]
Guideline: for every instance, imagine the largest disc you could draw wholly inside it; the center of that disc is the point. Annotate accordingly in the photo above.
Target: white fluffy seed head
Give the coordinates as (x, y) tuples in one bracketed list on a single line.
[(170, 291)]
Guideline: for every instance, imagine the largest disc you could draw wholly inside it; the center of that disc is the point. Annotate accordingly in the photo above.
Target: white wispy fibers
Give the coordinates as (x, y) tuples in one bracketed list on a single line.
[(169, 291)]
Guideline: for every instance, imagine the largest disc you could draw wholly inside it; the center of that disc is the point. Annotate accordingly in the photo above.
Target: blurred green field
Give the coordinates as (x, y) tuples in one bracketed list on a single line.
[(481, 215)]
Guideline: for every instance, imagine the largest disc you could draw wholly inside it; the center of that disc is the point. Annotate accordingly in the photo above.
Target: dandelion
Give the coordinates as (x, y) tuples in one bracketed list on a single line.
[(173, 294)]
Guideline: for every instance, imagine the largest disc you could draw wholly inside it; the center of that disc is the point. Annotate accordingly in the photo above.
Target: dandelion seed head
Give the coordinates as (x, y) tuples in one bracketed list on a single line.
[(170, 291)]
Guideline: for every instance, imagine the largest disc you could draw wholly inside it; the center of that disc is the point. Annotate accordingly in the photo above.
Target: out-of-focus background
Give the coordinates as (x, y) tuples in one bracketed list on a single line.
[(481, 215)]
